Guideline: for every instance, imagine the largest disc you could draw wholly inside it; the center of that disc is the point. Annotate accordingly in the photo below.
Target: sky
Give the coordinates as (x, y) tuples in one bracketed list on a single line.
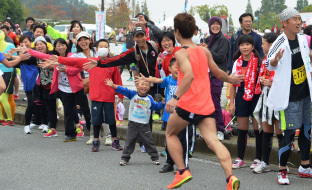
[(157, 8)]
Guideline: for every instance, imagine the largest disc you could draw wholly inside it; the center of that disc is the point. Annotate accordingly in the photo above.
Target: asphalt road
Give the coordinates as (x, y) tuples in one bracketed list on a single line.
[(34, 162)]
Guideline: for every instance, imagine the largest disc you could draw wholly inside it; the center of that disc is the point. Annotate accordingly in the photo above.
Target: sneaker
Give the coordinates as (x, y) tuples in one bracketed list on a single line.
[(123, 163), (45, 129), (155, 117), (108, 140), (79, 131), (2, 121), (25, 99), (116, 145), (167, 168), (32, 125), (82, 122), (262, 167), (163, 153), (15, 96), (233, 183), (41, 127), (179, 179), (96, 146), (11, 123), (304, 172), (27, 129), (190, 154), (51, 133), (238, 163), (69, 139), (297, 132), (143, 150), (220, 135), (156, 162), (130, 79), (282, 178), (255, 163), (90, 141)]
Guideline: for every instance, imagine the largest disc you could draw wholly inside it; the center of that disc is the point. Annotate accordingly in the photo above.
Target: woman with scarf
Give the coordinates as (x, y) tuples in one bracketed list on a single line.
[(219, 47)]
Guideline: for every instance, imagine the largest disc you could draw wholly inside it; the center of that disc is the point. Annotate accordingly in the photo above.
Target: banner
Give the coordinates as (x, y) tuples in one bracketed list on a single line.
[(100, 19)]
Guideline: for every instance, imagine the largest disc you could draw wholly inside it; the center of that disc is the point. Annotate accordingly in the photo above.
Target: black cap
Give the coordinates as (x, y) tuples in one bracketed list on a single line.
[(138, 30)]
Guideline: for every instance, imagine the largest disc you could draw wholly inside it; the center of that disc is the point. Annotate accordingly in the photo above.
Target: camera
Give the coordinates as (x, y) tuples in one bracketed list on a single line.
[(71, 35), (163, 54), (134, 20)]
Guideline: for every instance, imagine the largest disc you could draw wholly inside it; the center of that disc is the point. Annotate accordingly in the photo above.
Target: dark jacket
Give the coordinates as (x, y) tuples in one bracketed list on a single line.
[(234, 46), (220, 50)]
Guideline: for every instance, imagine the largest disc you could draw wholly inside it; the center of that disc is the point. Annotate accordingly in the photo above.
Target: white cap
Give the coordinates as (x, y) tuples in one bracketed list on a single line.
[(83, 34)]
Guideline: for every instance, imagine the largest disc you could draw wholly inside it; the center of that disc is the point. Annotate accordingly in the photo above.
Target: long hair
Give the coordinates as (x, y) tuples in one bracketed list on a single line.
[(61, 41), (245, 39)]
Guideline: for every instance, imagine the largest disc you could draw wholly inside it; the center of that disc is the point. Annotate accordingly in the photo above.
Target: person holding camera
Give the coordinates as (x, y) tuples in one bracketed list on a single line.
[(30, 21)]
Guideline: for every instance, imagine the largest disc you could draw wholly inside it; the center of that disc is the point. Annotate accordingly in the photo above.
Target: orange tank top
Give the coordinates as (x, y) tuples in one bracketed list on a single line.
[(197, 98)]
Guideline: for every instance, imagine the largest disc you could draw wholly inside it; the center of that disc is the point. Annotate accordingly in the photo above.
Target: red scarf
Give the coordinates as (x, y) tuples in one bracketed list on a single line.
[(250, 76), (261, 73), (147, 34)]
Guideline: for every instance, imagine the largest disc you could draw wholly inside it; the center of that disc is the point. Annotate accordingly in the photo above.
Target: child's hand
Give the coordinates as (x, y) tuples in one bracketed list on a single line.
[(163, 101), (232, 109), (109, 82), (138, 79)]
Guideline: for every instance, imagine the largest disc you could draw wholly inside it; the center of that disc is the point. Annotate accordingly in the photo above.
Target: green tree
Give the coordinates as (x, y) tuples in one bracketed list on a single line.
[(192, 10), (231, 23), (249, 8), (307, 8), (90, 18), (12, 9), (205, 11), (137, 8), (145, 8), (122, 12), (301, 4)]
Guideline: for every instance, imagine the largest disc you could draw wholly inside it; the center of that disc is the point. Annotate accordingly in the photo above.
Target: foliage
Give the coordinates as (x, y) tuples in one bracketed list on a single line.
[(231, 28), (205, 11), (12, 9), (276, 6), (122, 12), (267, 21), (249, 8), (301, 4), (307, 8), (137, 8), (145, 8)]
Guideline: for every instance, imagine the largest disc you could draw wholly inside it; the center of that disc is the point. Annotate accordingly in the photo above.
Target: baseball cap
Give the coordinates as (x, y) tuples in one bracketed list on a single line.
[(83, 34), (138, 30)]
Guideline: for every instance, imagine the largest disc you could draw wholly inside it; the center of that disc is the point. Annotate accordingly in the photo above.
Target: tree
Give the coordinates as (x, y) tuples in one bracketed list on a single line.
[(205, 12), (249, 8), (192, 10), (137, 8), (12, 9), (146, 12), (90, 15), (231, 23), (307, 8), (301, 4), (122, 12), (49, 10)]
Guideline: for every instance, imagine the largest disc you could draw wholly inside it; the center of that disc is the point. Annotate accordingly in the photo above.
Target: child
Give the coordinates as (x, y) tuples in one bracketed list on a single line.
[(245, 98), (268, 117), (170, 83), (140, 108)]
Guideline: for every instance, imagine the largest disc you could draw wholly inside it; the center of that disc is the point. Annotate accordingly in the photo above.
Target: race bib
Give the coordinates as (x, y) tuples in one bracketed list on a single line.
[(299, 75)]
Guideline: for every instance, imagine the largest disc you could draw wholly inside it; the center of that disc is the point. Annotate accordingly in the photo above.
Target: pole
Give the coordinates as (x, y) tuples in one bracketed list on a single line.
[(114, 14), (133, 8), (102, 5)]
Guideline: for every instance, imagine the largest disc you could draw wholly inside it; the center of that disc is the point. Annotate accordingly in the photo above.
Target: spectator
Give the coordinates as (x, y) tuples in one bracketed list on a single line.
[(6, 30), (275, 29)]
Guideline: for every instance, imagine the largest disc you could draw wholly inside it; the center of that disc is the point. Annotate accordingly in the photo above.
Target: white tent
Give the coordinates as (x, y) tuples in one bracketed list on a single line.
[(168, 22), (202, 25)]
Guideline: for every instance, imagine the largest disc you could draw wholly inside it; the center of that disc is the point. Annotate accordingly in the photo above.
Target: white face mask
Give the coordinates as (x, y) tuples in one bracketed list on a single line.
[(103, 52)]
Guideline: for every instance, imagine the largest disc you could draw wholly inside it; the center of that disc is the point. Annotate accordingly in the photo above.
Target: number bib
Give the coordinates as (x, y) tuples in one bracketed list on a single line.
[(299, 75)]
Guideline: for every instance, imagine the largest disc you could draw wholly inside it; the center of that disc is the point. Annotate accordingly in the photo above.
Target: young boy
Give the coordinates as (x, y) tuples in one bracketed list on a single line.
[(171, 85), (103, 98), (140, 108)]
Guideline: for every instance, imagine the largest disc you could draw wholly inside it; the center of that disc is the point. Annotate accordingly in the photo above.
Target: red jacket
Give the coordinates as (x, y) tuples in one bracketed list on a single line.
[(273, 29), (98, 90)]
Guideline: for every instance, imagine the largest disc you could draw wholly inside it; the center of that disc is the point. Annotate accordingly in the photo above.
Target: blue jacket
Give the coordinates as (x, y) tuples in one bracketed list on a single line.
[(234, 46)]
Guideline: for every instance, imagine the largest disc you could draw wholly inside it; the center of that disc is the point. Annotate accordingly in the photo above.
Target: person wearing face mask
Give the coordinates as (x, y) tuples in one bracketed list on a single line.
[(219, 47)]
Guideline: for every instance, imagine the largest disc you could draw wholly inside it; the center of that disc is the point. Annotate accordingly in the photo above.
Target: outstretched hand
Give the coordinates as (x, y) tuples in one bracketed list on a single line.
[(88, 66), (279, 54), (54, 58), (47, 64), (138, 79), (236, 79), (110, 83)]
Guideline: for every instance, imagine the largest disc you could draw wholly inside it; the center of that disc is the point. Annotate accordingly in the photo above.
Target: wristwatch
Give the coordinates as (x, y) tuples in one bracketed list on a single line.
[(175, 97)]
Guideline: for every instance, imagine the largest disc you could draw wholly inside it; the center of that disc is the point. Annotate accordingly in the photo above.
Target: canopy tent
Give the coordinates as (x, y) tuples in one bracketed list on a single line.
[(167, 23)]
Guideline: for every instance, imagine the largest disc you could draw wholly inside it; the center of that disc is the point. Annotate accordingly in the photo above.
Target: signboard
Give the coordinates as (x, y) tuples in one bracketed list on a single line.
[(306, 17), (100, 19)]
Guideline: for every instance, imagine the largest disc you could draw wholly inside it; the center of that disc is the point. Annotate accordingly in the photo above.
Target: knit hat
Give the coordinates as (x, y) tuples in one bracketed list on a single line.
[(214, 36), (287, 14), (214, 19), (40, 38)]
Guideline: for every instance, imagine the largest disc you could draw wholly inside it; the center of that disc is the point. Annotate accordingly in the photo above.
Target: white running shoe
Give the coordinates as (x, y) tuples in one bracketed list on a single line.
[(255, 163), (90, 141), (262, 167), (27, 129), (282, 178), (108, 140), (238, 163), (45, 129), (304, 172), (41, 127), (32, 125), (220, 135)]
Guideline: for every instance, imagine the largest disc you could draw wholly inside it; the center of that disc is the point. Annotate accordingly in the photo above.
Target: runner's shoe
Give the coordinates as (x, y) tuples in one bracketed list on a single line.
[(27, 129), (90, 141), (233, 183), (167, 168), (45, 129), (116, 145), (156, 162), (143, 150), (304, 172), (130, 79), (41, 127), (163, 153), (2, 121), (238, 163), (282, 178), (123, 163), (79, 130), (96, 146), (255, 163), (179, 179), (11, 123), (51, 133), (69, 139), (262, 167), (108, 140)]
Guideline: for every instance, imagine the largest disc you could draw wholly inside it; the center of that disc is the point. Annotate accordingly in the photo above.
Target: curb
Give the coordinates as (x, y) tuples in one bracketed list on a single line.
[(200, 146)]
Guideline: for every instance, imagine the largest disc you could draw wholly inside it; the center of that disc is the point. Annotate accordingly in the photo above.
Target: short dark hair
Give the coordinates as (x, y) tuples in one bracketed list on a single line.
[(245, 38), (5, 27), (101, 40), (271, 37), (61, 41), (73, 24), (30, 18), (307, 30), (24, 37), (185, 23), (40, 26), (172, 61), (166, 35), (245, 15), (196, 27)]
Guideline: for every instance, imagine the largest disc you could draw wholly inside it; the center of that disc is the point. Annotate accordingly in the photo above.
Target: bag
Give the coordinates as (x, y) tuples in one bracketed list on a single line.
[(85, 83), (120, 111)]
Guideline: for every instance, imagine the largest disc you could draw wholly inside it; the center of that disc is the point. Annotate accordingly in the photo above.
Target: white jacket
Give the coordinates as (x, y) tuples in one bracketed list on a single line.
[(279, 94)]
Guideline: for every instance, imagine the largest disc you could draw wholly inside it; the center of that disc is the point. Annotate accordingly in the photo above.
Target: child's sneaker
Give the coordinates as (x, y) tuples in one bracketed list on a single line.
[(156, 162), (90, 141), (255, 163), (108, 140), (304, 172), (96, 146), (163, 153), (79, 130), (27, 129), (262, 167), (233, 183), (116, 145), (179, 179), (282, 178), (45, 129), (143, 150), (51, 133), (238, 163), (123, 163)]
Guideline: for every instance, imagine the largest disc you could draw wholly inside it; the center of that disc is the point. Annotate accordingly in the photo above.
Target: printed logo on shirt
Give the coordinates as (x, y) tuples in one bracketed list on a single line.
[(299, 75), (95, 108), (295, 51), (153, 53)]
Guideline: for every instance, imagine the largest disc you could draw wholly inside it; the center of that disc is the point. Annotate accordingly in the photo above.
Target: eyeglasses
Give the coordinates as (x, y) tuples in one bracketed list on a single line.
[(247, 21)]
